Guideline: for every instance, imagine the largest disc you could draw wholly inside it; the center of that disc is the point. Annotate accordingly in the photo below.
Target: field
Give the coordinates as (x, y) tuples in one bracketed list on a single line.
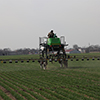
[(27, 81)]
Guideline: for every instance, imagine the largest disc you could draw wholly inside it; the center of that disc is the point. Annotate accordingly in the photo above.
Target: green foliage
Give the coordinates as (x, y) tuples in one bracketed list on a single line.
[(80, 81), (4, 96)]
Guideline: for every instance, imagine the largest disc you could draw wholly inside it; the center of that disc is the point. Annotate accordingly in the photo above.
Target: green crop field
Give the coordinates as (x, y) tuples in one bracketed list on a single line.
[(27, 81)]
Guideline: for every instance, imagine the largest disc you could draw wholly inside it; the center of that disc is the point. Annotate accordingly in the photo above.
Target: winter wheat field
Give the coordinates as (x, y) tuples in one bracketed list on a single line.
[(27, 81)]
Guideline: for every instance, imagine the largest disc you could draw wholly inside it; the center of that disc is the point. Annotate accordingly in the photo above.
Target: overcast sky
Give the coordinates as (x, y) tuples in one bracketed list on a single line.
[(22, 22)]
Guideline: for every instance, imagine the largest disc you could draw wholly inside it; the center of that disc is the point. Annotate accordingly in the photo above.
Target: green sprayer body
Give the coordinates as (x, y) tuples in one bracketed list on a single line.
[(53, 41)]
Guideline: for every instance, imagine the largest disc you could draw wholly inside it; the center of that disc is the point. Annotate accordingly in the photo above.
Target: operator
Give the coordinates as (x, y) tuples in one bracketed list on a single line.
[(51, 34)]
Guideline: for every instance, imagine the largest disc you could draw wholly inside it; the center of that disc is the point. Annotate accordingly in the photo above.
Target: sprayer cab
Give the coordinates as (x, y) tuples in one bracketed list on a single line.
[(51, 45)]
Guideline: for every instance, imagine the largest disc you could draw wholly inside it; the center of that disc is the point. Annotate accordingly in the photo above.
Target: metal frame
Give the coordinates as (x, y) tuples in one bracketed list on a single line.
[(45, 55), (43, 44)]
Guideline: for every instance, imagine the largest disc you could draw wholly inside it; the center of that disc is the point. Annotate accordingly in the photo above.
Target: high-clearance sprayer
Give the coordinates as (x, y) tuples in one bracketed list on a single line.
[(52, 48)]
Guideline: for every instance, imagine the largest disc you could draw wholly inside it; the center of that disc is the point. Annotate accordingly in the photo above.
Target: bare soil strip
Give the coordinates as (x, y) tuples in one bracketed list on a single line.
[(14, 90), (21, 90), (27, 92), (80, 94), (7, 93), (18, 93), (1, 98)]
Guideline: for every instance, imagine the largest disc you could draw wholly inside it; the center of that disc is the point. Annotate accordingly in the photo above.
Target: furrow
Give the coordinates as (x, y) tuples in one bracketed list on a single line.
[(7, 93), (1, 98), (24, 89), (51, 92), (38, 91)]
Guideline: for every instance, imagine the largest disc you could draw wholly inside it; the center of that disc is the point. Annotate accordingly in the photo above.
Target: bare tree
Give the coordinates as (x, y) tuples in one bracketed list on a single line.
[(75, 46)]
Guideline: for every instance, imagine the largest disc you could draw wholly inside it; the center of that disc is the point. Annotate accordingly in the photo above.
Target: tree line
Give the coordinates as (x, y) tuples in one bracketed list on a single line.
[(25, 51), (91, 48)]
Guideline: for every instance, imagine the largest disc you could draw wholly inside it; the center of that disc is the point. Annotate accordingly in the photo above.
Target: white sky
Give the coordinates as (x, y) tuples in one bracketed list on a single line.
[(22, 22)]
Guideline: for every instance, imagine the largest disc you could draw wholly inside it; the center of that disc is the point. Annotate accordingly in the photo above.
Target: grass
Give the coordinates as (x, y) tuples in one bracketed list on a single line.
[(20, 57), (80, 81)]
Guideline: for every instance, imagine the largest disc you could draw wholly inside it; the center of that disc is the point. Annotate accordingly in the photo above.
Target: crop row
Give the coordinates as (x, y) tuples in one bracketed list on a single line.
[(55, 88), (26, 86)]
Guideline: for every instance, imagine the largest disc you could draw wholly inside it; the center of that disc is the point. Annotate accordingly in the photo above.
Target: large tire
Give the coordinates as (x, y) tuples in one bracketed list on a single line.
[(65, 63), (45, 65), (41, 64)]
